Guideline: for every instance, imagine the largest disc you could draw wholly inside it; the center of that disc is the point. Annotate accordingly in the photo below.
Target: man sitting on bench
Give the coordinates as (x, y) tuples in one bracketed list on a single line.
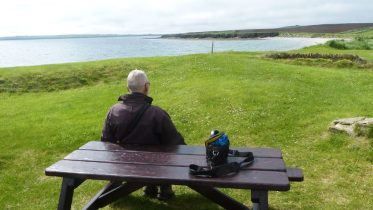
[(135, 121)]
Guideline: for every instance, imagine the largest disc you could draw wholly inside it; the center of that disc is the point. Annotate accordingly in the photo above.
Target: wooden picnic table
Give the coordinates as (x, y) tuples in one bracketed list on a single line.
[(129, 168)]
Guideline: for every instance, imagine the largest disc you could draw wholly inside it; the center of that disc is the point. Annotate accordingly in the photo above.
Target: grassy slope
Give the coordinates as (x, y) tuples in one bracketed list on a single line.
[(363, 32), (257, 102)]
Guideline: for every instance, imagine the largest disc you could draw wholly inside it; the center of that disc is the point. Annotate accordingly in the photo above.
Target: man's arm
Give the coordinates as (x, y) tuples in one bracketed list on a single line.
[(107, 134), (169, 133)]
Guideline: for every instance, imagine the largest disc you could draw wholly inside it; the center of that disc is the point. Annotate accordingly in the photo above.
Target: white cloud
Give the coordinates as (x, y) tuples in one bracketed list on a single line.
[(20, 17)]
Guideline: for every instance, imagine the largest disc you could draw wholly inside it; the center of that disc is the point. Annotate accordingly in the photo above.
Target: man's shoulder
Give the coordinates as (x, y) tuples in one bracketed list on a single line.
[(117, 106), (158, 110)]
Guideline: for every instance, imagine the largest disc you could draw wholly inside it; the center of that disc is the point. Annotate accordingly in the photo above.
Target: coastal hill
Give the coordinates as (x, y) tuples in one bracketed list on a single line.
[(271, 32), (322, 28)]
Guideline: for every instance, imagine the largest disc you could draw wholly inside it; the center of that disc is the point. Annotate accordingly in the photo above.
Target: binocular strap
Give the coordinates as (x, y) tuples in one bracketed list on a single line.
[(224, 169)]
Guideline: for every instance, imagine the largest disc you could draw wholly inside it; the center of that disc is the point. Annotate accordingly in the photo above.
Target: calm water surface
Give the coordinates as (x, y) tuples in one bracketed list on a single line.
[(48, 51)]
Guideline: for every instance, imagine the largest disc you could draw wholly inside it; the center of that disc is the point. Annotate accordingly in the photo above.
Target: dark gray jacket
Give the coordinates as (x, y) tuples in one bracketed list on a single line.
[(155, 126)]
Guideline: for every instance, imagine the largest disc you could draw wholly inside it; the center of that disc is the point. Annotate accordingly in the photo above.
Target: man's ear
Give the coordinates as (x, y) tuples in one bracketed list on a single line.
[(146, 89)]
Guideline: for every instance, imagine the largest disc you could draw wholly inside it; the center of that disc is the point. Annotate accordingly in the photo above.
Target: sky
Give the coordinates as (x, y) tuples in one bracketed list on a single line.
[(54, 17)]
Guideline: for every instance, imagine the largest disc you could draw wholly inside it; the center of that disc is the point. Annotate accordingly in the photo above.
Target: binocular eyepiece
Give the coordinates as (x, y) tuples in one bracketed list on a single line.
[(214, 132)]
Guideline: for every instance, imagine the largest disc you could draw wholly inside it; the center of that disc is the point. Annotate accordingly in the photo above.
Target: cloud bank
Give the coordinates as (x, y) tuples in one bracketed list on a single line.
[(47, 17)]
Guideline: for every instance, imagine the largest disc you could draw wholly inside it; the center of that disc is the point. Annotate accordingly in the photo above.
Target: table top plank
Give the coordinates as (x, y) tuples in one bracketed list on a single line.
[(246, 179), (166, 159), (179, 149)]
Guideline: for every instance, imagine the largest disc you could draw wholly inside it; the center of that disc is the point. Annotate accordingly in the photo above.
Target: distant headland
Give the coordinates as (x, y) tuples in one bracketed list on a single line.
[(320, 30)]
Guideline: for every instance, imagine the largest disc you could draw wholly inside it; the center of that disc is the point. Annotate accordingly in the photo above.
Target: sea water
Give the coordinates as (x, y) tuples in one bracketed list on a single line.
[(50, 51)]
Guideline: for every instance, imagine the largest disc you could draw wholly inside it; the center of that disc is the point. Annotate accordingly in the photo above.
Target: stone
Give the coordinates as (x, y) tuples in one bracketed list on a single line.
[(365, 122), (348, 121), (342, 128), (356, 126), (364, 127)]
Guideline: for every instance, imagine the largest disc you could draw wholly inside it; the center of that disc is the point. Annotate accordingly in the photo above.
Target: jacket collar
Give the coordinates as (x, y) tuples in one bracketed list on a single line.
[(135, 98)]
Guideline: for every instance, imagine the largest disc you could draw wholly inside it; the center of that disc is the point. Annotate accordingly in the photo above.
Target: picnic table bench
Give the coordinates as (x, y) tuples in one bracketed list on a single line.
[(129, 168)]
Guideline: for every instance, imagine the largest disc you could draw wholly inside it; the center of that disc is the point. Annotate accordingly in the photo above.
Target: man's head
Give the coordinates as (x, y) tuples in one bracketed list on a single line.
[(138, 82)]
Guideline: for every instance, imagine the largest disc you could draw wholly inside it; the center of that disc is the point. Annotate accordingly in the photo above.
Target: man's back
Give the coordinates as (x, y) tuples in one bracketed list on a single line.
[(154, 126)]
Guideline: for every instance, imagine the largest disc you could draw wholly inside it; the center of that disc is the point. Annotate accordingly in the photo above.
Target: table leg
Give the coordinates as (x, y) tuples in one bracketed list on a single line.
[(107, 188), (112, 192), (67, 192), (219, 198), (259, 199)]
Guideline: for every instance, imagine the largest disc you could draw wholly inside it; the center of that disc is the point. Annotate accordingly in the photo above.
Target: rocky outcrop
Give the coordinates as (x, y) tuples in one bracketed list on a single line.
[(357, 126)]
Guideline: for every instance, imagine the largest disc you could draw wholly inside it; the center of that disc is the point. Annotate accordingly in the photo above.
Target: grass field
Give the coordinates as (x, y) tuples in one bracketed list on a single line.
[(49, 111)]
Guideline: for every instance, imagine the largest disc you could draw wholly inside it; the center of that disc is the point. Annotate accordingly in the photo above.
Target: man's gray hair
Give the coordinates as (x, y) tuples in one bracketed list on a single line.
[(136, 80)]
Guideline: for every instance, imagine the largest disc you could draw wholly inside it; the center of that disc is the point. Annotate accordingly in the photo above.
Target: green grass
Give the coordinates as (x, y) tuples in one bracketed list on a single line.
[(258, 102), (364, 33), (356, 43)]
